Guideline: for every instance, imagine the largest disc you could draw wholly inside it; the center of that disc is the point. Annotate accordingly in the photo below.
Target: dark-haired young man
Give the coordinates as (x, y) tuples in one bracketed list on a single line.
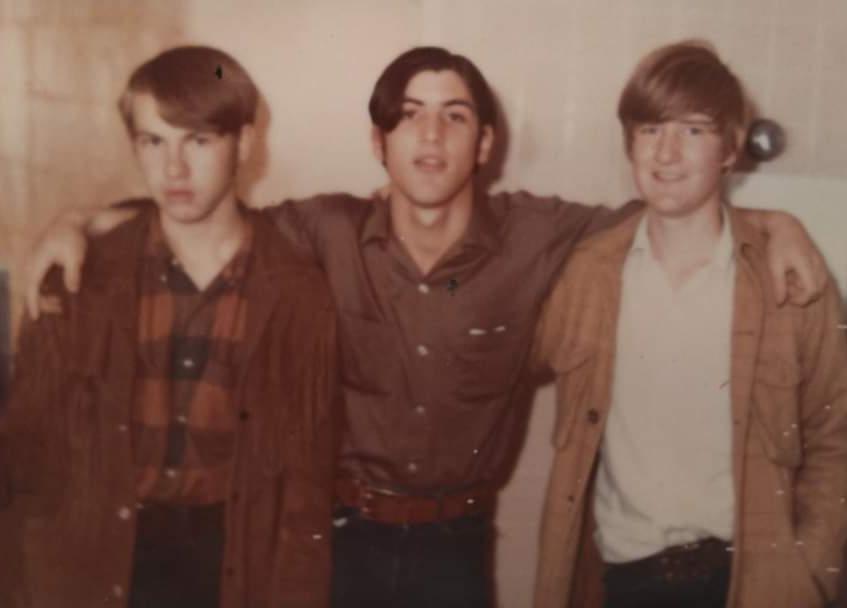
[(438, 290), (701, 441), (168, 438)]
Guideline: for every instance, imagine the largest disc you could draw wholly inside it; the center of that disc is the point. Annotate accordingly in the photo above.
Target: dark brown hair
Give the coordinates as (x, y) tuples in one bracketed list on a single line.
[(682, 78), (196, 87), (386, 104)]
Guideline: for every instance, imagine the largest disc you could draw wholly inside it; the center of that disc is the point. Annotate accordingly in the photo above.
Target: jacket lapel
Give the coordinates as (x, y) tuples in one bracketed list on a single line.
[(275, 270)]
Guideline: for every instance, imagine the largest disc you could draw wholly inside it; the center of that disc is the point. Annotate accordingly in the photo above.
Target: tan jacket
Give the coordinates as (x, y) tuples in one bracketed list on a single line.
[(789, 409), (68, 458)]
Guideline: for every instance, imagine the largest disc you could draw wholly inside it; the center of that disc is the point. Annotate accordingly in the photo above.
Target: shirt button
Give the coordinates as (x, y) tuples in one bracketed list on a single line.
[(423, 351), (163, 278), (124, 513), (412, 467), (188, 363), (420, 410), (123, 428), (423, 288), (117, 591), (182, 419), (171, 473), (593, 416)]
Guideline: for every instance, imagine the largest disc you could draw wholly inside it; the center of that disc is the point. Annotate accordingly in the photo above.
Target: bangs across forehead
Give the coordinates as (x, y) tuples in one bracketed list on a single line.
[(681, 79), (684, 92), (196, 88)]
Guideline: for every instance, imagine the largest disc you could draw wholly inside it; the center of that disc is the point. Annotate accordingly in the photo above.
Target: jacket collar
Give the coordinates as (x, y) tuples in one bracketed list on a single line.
[(113, 265), (613, 245)]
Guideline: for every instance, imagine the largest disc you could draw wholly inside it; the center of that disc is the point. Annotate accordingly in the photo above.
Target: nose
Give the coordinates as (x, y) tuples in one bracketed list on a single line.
[(667, 146), (176, 164), (432, 128)]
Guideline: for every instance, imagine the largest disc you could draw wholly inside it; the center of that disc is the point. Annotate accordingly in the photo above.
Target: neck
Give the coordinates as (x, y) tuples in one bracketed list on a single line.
[(685, 243), (428, 232), (203, 248)]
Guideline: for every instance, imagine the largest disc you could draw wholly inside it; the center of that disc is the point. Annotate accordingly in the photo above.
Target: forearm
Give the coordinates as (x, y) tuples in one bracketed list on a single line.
[(604, 218), (821, 515), (821, 484), (91, 220)]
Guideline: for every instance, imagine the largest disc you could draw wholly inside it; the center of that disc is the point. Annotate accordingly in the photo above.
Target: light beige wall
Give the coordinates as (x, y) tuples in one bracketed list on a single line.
[(557, 65), (61, 141)]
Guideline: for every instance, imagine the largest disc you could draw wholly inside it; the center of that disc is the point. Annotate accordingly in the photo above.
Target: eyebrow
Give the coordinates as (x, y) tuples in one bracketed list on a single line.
[(698, 121), (450, 102)]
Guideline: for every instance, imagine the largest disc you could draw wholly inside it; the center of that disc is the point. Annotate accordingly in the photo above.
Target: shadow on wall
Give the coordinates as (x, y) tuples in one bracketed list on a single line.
[(5, 337), (492, 171), (256, 166)]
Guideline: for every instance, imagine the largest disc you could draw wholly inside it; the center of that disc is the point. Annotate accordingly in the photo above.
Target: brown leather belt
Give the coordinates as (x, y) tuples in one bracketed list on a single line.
[(390, 508), (681, 563)]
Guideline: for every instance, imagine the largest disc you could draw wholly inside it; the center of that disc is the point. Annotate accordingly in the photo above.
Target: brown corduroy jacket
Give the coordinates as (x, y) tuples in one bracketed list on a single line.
[(789, 434), (69, 527)]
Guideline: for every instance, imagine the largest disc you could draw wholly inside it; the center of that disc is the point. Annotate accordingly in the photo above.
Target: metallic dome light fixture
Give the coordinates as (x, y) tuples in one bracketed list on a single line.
[(765, 140)]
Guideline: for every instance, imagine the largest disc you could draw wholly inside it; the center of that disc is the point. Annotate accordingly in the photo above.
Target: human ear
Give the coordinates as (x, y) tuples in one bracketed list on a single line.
[(246, 137), (485, 145), (378, 144)]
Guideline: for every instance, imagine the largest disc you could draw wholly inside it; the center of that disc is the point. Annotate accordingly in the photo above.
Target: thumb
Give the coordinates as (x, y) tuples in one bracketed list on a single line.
[(32, 293), (72, 277)]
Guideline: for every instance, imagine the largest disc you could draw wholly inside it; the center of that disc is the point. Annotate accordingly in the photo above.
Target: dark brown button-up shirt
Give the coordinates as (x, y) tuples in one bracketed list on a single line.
[(431, 362)]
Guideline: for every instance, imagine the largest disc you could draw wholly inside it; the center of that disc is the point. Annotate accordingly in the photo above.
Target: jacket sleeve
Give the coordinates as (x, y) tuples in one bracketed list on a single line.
[(33, 449), (821, 484), (310, 490), (549, 330), (560, 325)]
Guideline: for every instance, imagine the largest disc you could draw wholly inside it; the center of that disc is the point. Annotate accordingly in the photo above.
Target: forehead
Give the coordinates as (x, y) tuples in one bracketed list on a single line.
[(441, 86)]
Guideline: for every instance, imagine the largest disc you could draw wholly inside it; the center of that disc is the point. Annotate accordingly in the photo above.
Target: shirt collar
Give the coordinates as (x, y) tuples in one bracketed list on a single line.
[(724, 252), (482, 230)]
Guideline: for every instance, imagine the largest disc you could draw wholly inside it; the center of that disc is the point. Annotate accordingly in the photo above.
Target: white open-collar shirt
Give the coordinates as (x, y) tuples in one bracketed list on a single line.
[(665, 471)]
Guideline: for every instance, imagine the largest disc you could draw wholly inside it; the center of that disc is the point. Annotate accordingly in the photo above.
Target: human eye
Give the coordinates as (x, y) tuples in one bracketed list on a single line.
[(408, 112), (201, 139), (647, 129), (145, 140), (457, 117)]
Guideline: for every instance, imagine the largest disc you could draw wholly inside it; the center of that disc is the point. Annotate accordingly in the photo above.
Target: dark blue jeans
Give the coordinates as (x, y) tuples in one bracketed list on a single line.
[(629, 592), (177, 558), (439, 565)]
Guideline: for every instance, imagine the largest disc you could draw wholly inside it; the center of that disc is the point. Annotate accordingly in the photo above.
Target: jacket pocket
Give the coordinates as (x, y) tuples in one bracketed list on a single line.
[(776, 404), (573, 368)]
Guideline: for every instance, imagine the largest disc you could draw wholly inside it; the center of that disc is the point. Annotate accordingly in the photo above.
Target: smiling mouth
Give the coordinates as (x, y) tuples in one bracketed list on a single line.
[(430, 164), (667, 177)]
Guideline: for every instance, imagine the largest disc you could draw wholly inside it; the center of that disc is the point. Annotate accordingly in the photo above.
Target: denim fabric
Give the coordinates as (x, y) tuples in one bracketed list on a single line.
[(177, 559), (438, 565)]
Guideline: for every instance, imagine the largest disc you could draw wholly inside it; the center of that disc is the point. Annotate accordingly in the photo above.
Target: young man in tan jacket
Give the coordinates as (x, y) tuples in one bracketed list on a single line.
[(701, 441)]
